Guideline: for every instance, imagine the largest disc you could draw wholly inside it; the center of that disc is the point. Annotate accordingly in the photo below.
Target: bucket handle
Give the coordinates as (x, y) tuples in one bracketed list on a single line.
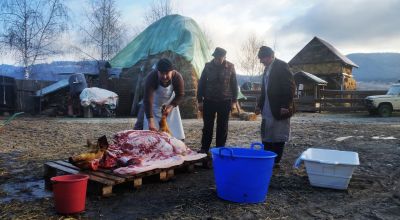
[(256, 144), (225, 148)]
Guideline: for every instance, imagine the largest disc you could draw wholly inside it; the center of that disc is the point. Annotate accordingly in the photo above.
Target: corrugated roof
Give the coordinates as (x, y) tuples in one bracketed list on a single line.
[(309, 77), (320, 51), (52, 88)]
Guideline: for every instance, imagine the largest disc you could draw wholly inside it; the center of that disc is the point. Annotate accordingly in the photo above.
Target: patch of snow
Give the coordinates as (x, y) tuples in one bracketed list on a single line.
[(343, 138), (383, 138)]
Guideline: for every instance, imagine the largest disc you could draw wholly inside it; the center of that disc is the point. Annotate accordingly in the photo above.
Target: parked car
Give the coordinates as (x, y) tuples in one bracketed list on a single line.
[(384, 105)]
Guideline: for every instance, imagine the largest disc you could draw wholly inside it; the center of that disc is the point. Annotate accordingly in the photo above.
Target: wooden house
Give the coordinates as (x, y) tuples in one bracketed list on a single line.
[(323, 60)]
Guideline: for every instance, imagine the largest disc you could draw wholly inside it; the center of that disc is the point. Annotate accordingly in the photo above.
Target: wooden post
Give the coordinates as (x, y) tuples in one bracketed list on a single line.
[(47, 174), (170, 173), (190, 168), (106, 190), (137, 183), (163, 175)]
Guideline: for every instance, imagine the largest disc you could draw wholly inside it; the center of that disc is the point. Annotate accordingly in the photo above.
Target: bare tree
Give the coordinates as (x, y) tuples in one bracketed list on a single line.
[(208, 36), (104, 32), (31, 28), (158, 9), (248, 57)]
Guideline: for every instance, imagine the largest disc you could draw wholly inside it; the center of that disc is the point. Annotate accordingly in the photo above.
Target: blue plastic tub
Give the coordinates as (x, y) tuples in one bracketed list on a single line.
[(242, 174)]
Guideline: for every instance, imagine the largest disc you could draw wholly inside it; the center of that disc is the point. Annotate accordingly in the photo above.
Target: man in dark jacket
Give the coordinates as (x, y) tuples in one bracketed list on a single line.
[(276, 102), (216, 95), (77, 83)]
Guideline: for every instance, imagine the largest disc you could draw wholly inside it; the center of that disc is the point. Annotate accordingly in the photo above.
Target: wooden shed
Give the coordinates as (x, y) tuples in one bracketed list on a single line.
[(308, 88), (323, 60)]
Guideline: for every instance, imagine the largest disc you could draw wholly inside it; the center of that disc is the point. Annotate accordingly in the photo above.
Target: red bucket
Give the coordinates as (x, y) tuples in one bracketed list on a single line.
[(70, 193)]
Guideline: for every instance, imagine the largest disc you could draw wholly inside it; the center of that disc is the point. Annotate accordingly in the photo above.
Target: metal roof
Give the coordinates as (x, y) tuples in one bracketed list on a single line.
[(299, 76), (52, 88)]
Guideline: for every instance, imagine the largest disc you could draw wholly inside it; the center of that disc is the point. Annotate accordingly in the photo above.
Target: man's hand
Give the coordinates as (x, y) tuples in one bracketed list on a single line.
[(166, 109), (257, 111), (152, 126), (200, 105), (284, 111)]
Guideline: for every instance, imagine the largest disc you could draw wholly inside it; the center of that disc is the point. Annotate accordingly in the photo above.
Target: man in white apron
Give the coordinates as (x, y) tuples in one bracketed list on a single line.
[(164, 89)]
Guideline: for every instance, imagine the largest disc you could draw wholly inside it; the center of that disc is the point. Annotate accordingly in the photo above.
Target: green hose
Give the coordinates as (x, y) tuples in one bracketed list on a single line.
[(11, 118)]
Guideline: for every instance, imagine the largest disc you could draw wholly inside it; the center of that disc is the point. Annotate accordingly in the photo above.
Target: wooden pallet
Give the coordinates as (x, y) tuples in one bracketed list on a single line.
[(105, 179)]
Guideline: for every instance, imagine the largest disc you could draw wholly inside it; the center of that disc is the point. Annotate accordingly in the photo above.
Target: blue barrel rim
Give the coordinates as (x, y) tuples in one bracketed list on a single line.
[(217, 151)]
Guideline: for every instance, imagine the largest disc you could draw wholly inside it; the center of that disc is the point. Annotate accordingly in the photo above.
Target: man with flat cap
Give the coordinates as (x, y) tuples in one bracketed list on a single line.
[(276, 102), (163, 92), (216, 96)]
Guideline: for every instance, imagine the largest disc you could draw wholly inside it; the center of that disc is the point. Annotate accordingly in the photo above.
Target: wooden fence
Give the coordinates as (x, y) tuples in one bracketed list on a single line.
[(345, 101), (329, 100), (26, 99)]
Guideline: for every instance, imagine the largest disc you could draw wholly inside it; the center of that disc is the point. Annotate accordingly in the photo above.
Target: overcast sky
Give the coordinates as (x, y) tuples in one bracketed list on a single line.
[(351, 26)]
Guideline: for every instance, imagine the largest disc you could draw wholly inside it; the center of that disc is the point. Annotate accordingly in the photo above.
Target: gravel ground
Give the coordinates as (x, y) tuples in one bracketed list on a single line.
[(374, 190)]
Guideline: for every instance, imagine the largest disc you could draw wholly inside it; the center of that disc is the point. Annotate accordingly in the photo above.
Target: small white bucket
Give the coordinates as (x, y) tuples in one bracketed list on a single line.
[(329, 168)]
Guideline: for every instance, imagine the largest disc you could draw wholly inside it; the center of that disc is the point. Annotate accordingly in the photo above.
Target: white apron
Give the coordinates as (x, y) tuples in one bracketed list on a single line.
[(164, 96), (272, 130)]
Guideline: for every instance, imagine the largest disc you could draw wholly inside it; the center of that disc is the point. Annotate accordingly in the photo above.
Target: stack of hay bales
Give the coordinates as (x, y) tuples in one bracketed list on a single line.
[(174, 37)]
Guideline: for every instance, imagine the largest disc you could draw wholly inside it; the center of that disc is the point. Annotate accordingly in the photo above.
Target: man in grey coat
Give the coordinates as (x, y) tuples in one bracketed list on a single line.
[(276, 102)]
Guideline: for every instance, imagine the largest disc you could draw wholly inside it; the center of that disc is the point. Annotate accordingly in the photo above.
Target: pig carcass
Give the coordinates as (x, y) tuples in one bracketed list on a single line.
[(136, 151)]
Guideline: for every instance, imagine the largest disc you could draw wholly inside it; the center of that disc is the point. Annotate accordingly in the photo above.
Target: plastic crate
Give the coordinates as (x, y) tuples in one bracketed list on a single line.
[(329, 168)]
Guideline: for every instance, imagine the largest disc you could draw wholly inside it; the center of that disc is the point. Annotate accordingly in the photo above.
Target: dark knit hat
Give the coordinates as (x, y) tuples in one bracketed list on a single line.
[(219, 52), (164, 65), (265, 52)]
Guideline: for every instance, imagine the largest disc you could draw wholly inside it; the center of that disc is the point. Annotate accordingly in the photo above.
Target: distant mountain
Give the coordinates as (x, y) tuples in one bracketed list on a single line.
[(378, 67)]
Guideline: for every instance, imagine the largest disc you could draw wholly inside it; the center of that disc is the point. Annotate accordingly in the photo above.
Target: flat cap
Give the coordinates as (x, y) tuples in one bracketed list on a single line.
[(265, 52), (164, 65), (219, 52)]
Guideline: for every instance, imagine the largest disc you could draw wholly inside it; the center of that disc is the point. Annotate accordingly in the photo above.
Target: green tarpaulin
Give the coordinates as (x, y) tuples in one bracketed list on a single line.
[(174, 33)]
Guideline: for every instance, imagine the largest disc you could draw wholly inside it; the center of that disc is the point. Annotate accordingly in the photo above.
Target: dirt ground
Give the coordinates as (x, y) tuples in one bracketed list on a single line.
[(374, 190)]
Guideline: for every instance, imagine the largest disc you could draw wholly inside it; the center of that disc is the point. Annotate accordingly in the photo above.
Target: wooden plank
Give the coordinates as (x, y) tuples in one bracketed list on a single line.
[(158, 171), (142, 175), (170, 173), (116, 179), (353, 92), (106, 190), (62, 168), (341, 100), (48, 173), (73, 171)]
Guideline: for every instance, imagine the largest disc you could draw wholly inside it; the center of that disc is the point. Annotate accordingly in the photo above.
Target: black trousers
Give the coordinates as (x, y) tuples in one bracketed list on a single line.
[(276, 147), (221, 109)]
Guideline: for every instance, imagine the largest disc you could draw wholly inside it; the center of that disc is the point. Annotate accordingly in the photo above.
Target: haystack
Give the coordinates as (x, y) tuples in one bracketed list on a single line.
[(174, 37)]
